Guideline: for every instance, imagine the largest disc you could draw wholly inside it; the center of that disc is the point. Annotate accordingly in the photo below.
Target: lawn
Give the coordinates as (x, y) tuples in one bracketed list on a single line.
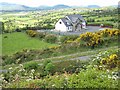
[(18, 41)]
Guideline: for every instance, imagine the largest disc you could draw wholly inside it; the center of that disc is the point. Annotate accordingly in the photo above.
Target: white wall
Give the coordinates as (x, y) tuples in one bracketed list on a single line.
[(70, 28), (60, 27), (84, 24)]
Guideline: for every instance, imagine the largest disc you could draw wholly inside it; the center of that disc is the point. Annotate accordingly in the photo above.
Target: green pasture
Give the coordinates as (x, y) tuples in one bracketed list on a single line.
[(13, 42), (0, 44)]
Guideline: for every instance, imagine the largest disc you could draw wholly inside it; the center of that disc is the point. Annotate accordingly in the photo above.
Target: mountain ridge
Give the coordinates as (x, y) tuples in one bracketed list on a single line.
[(4, 6)]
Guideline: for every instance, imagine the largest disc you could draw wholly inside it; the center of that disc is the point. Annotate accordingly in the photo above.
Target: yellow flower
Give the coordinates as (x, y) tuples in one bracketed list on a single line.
[(103, 61), (113, 57)]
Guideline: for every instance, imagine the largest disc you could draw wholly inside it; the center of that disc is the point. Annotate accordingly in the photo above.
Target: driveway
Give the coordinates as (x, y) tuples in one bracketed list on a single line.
[(89, 29)]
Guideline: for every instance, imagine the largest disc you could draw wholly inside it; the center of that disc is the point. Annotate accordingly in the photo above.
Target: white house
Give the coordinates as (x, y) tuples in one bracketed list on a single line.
[(73, 22)]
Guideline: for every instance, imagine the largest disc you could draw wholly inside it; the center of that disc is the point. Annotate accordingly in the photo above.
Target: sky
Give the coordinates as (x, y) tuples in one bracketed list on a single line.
[(35, 3)]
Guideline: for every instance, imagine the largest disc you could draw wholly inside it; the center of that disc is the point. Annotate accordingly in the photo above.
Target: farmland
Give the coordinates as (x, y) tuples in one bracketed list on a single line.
[(47, 19), (13, 42), (44, 60)]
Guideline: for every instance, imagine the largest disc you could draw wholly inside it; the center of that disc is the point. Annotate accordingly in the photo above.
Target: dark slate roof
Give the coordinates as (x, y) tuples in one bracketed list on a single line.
[(70, 19), (66, 22), (74, 17)]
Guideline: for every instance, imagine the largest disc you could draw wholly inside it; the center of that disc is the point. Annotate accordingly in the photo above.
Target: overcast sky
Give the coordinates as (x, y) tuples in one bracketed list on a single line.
[(66, 2)]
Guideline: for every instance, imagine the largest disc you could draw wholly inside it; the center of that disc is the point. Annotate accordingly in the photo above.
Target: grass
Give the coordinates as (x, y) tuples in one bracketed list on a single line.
[(0, 44), (63, 58), (18, 41)]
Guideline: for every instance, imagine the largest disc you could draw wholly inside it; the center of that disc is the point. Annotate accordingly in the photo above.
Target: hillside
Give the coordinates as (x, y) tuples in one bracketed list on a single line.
[(93, 6), (60, 6), (34, 55), (10, 6)]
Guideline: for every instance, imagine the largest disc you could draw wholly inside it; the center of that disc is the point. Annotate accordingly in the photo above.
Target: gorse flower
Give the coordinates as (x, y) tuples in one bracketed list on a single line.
[(113, 57)]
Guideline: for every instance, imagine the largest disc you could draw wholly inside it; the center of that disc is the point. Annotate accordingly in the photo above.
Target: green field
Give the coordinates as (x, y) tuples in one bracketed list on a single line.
[(0, 44), (19, 41), (47, 19)]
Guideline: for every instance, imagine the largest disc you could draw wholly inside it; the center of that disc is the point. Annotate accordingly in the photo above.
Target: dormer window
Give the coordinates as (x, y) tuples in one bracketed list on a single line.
[(60, 22)]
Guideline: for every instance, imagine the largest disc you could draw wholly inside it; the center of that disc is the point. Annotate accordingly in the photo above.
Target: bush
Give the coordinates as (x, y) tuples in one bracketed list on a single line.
[(90, 39), (49, 67), (51, 38), (31, 33), (107, 60), (64, 39), (111, 61), (31, 65), (41, 35), (90, 78), (7, 60)]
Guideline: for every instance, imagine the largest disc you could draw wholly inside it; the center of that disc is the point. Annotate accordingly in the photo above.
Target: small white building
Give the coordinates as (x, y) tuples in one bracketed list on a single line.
[(73, 22)]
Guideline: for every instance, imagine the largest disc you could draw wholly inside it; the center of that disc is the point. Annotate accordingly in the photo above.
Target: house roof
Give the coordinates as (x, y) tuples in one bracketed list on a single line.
[(75, 17), (66, 22), (69, 19)]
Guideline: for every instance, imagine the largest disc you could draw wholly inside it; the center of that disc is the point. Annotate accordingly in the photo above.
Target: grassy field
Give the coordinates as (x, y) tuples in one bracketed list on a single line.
[(19, 41)]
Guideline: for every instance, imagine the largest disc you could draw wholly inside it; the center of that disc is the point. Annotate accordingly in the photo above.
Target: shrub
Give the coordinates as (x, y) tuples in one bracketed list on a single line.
[(51, 38), (31, 33), (89, 78), (31, 65), (64, 39), (7, 60), (41, 35), (107, 60), (49, 67), (46, 62), (111, 61), (90, 39), (108, 32)]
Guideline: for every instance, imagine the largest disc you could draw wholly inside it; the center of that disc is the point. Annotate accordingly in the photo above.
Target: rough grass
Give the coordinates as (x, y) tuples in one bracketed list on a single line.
[(63, 58), (0, 44), (18, 41)]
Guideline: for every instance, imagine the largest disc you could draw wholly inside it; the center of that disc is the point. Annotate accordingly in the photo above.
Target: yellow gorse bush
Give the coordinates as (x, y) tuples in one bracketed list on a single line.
[(31, 33), (94, 39), (91, 39), (113, 57), (111, 61), (109, 32)]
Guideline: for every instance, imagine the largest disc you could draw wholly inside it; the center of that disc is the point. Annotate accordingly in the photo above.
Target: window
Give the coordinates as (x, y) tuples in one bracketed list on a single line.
[(69, 27), (60, 22)]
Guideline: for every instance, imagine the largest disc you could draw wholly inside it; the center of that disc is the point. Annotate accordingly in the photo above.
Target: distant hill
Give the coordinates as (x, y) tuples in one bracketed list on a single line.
[(61, 6), (93, 6), (115, 5), (43, 7), (12, 7), (9, 6)]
